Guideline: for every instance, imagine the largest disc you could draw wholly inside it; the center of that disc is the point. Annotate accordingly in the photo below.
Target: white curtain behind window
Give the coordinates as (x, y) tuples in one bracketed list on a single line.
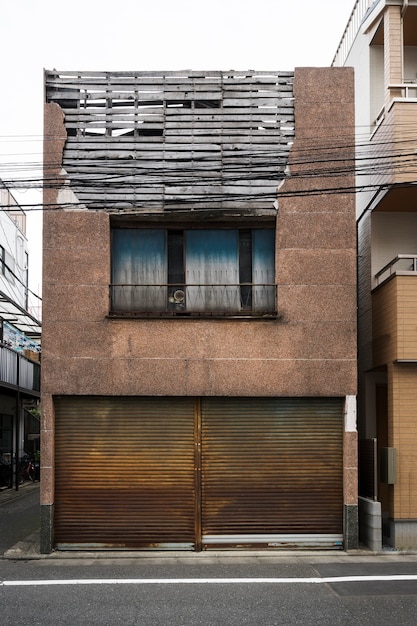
[(263, 270), (139, 270), (212, 270)]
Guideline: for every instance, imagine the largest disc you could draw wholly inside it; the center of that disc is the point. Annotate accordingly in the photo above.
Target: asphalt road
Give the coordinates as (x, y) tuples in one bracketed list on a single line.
[(229, 591), (207, 589)]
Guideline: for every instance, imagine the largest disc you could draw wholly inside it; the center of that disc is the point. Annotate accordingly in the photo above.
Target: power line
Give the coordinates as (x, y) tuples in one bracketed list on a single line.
[(318, 161)]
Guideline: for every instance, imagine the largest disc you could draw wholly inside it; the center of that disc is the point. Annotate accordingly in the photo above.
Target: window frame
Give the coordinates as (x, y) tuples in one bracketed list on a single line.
[(241, 293)]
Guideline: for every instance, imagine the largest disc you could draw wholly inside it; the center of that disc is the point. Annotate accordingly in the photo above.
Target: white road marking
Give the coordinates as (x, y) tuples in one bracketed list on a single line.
[(208, 581)]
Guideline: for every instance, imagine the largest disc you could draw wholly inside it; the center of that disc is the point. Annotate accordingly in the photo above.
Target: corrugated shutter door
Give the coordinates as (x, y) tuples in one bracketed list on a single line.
[(125, 472), (271, 467)]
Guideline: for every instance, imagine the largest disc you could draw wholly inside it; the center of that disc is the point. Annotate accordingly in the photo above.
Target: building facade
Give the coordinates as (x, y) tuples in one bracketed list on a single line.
[(19, 341), (199, 310), (380, 42)]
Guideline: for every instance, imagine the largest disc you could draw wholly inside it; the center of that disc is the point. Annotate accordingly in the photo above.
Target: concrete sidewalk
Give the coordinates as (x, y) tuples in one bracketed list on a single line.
[(29, 550)]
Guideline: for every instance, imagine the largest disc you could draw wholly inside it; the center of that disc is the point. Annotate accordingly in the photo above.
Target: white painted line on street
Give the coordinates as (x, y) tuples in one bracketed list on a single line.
[(208, 581)]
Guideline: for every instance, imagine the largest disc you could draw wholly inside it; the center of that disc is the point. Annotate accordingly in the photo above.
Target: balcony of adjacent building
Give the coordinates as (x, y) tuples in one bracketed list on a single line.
[(20, 349), (391, 155), (19, 371), (394, 311)]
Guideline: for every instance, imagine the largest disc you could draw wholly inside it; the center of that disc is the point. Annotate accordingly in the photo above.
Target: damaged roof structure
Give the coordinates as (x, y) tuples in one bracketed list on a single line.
[(156, 141)]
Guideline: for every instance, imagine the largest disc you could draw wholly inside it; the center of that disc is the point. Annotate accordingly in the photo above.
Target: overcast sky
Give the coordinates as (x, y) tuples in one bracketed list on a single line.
[(143, 35)]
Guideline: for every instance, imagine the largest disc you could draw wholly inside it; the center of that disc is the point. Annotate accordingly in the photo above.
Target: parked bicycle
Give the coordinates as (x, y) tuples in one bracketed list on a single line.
[(27, 469)]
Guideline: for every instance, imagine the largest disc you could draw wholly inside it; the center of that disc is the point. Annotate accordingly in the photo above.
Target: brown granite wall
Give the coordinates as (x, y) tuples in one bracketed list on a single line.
[(309, 350)]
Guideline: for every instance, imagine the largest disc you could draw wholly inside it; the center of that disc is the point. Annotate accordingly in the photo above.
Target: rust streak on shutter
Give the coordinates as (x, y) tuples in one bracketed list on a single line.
[(197, 470), (125, 472), (272, 466)]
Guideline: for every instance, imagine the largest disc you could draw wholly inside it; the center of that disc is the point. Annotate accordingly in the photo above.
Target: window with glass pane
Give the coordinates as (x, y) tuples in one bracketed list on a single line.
[(193, 271)]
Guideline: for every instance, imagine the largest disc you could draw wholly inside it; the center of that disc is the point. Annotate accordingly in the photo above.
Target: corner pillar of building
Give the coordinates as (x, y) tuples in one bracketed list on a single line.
[(47, 474), (350, 477)]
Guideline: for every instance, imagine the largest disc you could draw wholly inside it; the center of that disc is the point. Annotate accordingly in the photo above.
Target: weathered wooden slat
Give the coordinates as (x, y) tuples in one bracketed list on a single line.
[(183, 120), (127, 115), (185, 115), (178, 136), (174, 113), (157, 191), (249, 168), (199, 127), (246, 114), (185, 77), (78, 79), (167, 91), (148, 149), (147, 96), (152, 155), (149, 193), (261, 97), (152, 141), (186, 156), (174, 203), (250, 133), (177, 179)]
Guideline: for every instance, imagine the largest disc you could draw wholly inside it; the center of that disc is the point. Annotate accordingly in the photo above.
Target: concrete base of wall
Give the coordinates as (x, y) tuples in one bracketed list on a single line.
[(370, 524), (47, 525), (403, 534), (351, 527)]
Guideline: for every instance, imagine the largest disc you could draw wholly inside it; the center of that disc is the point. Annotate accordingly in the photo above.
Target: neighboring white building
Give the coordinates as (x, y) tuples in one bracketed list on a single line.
[(20, 333), (13, 249), (380, 43)]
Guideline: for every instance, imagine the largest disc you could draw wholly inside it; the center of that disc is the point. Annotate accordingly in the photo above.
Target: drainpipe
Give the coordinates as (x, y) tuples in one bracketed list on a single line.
[(404, 7)]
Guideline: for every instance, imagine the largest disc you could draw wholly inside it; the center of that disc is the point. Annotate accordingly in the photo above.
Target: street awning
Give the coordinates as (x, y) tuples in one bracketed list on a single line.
[(13, 313)]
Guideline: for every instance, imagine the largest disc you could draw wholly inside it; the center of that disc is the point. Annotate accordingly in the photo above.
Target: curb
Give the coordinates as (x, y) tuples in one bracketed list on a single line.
[(29, 549)]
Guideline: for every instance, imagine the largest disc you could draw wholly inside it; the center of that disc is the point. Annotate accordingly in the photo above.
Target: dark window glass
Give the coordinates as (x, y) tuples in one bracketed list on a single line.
[(193, 271)]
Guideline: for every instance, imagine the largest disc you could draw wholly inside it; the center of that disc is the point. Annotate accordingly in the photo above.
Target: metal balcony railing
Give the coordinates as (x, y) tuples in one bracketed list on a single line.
[(244, 299), (402, 264), (18, 371)]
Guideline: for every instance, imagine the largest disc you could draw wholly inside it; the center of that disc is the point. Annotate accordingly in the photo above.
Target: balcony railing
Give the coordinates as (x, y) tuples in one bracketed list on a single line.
[(398, 91), (402, 264), (220, 300), (18, 371), (407, 90)]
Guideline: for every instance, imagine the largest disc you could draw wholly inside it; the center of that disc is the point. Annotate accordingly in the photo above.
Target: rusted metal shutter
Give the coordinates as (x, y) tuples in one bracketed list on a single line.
[(124, 472), (271, 470)]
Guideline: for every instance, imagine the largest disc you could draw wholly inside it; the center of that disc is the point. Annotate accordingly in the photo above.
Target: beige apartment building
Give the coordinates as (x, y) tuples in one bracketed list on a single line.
[(380, 43), (199, 311)]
